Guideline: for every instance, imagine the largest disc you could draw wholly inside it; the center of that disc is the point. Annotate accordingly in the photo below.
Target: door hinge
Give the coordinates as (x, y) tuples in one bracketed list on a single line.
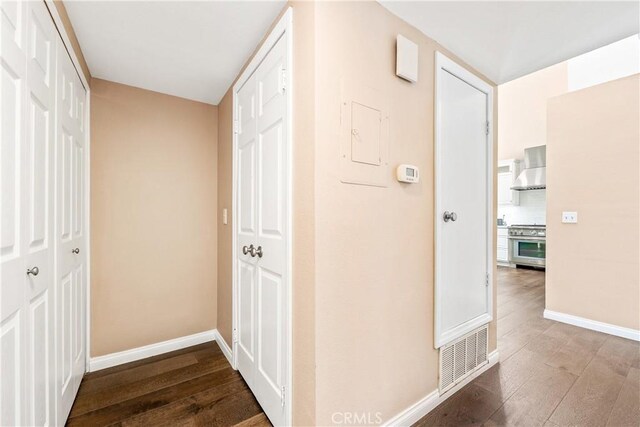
[(283, 80), (235, 126), (487, 128), (282, 396), (486, 281), (235, 336)]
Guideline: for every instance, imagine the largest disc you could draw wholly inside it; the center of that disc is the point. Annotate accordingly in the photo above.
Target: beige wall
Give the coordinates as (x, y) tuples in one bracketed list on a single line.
[(593, 168), (374, 246), (153, 217), (523, 110), (303, 220), (363, 306), (62, 11)]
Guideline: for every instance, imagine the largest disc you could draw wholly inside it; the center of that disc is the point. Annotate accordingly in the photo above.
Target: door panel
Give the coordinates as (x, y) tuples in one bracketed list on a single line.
[(38, 200), (246, 230), (40, 368), (270, 319), (262, 203), (12, 384), (13, 320), (463, 188), (70, 237)]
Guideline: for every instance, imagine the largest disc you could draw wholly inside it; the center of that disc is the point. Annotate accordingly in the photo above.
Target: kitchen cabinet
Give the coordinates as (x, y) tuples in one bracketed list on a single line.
[(502, 246), (507, 173)]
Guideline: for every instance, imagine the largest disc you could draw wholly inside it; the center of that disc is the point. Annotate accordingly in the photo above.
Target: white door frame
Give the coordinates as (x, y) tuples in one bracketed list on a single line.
[(284, 25), (446, 65), (57, 20)]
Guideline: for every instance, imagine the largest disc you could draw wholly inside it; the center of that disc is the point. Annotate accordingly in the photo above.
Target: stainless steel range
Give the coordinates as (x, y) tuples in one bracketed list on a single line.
[(527, 244)]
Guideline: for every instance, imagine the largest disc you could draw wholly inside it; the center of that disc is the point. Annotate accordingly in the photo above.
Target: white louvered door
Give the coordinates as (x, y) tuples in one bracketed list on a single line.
[(30, 340)]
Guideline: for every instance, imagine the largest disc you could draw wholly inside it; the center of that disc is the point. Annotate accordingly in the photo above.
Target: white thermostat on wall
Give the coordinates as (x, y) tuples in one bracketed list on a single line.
[(408, 173)]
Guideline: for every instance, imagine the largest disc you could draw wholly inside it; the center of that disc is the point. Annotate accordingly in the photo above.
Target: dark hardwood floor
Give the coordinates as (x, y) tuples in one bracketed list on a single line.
[(189, 387), (550, 373)]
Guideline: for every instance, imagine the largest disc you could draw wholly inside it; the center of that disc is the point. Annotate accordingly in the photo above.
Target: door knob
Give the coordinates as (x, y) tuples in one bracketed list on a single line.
[(246, 250), (76, 251), (34, 271), (256, 251), (449, 216)]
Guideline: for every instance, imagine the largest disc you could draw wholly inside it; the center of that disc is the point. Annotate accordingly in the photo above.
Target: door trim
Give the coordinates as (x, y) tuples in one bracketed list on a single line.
[(446, 65), (284, 25)]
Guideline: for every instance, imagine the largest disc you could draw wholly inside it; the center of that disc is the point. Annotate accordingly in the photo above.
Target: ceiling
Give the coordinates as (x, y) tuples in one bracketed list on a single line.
[(506, 40), (190, 49)]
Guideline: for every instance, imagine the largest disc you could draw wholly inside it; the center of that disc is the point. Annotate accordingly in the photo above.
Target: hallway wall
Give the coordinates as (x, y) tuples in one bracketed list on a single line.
[(153, 217), (593, 164), (374, 245)]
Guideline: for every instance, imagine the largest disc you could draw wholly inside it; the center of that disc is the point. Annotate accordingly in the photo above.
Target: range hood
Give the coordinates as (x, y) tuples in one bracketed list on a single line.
[(534, 175)]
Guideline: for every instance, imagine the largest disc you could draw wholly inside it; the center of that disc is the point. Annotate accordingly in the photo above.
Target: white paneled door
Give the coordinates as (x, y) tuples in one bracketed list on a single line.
[(464, 226), (29, 289), (262, 231), (70, 235)]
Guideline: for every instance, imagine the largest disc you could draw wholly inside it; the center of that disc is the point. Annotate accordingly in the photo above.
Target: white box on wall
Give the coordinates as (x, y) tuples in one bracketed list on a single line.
[(406, 59)]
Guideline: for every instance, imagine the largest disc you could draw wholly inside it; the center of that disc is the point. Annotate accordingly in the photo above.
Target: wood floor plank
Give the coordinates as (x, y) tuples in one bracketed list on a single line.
[(573, 357), (619, 353), (590, 401), (506, 377), (626, 410), (214, 403), (129, 408), (259, 420), (90, 402), (136, 373), (472, 405), (189, 387), (535, 401), (211, 345)]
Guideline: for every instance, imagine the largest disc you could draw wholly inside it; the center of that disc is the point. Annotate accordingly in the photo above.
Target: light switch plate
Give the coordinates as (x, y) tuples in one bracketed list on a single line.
[(224, 216), (570, 217)]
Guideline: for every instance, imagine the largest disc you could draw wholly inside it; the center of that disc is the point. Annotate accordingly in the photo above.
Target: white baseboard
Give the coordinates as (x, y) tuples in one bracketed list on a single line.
[(594, 325), (226, 350), (413, 413), (126, 356)]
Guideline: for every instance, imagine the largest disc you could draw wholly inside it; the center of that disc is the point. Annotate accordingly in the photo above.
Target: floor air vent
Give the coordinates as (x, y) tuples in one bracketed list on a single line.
[(462, 357)]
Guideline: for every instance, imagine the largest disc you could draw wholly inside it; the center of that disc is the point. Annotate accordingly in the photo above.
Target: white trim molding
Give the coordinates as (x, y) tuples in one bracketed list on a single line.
[(594, 325), (415, 412), (126, 356), (226, 350)]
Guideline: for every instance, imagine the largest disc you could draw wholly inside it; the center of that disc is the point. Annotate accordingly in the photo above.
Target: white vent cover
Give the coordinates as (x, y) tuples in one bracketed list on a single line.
[(460, 358)]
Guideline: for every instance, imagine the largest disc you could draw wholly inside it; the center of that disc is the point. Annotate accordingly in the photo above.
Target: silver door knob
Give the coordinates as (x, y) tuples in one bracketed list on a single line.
[(76, 251), (246, 250), (34, 271), (256, 251), (449, 216)]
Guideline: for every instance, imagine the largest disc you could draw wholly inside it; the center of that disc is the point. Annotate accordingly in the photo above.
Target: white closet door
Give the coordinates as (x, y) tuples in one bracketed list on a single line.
[(271, 274), (28, 337), (262, 204), (246, 229), (70, 233), (12, 281)]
